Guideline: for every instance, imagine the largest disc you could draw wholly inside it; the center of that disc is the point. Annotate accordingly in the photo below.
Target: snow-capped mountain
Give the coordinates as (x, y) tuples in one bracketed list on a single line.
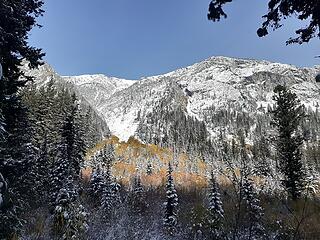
[(97, 89), (199, 90)]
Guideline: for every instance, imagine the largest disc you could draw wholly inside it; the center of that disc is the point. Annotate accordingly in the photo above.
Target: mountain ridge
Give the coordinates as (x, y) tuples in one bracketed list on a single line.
[(216, 83)]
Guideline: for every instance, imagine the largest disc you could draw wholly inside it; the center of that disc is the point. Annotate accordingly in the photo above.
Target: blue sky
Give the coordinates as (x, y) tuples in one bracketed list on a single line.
[(136, 38)]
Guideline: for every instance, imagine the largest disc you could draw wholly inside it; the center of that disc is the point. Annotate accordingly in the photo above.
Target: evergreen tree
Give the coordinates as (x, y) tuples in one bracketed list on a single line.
[(107, 201), (65, 170), (60, 172), (40, 173), (17, 18), (170, 219), (261, 152), (72, 134), (17, 156), (215, 211), (69, 215), (107, 158), (65, 191), (92, 127), (287, 116), (137, 198), (110, 193), (43, 106), (97, 185), (70, 148), (199, 221), (254, 212), (278, 11)]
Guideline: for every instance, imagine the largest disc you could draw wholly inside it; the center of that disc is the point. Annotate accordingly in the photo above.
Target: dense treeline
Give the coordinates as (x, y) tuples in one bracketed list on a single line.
[(55, 133), (260, 134), (45, 192), (49, 104), (233, 206)]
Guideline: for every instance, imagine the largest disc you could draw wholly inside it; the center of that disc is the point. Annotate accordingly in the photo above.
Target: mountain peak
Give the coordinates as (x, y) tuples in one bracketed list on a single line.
[(216, 83)]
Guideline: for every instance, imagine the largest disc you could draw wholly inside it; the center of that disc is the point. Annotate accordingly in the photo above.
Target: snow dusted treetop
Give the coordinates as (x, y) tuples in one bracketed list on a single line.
[(254, 211), (107, 156), (170, 220), (97, 184), (215, 210), (138, 198), (110, 193), (215, 203), (69, 216)]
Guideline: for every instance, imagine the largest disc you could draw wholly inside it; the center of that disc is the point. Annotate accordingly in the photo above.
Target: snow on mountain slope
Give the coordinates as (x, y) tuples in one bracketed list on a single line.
[(96, 89), (122, 109), (218, 82), (42, 75)]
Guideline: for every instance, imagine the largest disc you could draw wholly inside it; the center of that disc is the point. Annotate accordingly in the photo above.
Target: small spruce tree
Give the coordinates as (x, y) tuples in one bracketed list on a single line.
[(137, 196), (110, 193), (107, 201), (215, 211), (171, 203), (59, 173), (254, 212), (40, 172), (97, 185), (69, 215)]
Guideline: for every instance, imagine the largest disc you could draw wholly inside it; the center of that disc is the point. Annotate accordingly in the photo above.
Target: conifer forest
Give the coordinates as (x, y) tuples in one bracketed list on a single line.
[(227, 148)]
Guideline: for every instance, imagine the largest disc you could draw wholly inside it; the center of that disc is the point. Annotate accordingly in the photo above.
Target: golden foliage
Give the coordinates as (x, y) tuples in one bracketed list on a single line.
[(153, 180), (121, 169), (185, 179), (133, 157)]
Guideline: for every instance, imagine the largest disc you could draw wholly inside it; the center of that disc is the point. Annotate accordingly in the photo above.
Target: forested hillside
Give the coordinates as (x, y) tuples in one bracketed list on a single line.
[(223, 149)]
